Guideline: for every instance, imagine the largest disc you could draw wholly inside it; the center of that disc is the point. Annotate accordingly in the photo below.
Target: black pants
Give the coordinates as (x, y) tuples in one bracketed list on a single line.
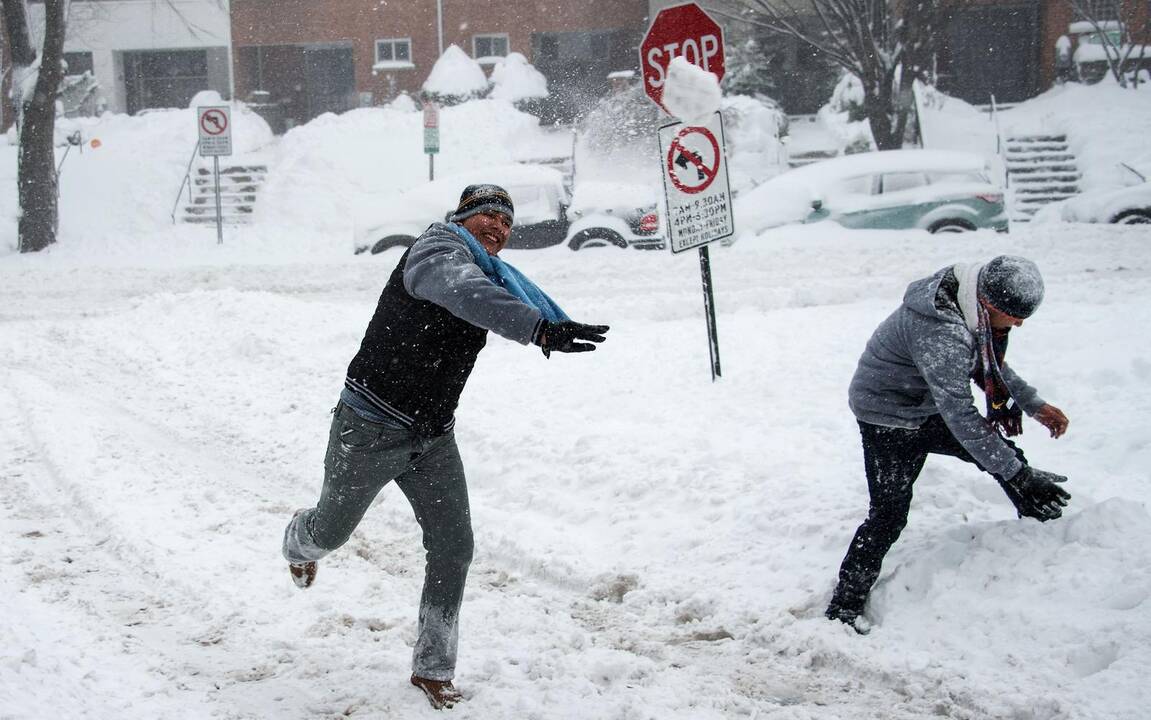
[(893, 459)]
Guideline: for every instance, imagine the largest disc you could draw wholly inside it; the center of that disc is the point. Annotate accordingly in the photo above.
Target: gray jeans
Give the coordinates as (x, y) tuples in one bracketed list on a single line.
[(362, 458)]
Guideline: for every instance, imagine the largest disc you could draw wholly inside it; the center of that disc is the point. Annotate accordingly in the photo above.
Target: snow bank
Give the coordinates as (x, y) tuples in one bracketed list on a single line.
[(328, 169), (1104, 123), (514, 78), (124, 179)]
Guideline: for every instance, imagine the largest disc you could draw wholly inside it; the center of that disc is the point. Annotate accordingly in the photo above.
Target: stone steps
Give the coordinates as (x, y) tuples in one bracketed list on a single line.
[(1041, 169), (239, 190)]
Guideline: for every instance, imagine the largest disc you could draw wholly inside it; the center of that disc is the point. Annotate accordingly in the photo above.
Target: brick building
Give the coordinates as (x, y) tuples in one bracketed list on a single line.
[(311, 56), (1008, 48)]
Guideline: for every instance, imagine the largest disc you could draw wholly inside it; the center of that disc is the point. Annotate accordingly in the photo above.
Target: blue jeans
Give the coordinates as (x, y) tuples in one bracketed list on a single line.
[(362, 458)]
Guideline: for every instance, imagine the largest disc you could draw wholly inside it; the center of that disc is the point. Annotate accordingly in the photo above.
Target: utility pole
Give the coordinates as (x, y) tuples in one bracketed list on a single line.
[(440, 25)]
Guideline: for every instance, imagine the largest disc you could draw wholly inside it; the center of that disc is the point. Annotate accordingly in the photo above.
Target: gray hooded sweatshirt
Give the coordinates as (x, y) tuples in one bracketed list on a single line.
[(919, 361)]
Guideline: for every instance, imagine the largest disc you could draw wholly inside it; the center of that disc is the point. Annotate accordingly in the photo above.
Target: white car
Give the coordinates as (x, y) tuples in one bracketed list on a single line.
[(933, 190), (538, 194), (542, 212), (1123, 206), (607, 214)]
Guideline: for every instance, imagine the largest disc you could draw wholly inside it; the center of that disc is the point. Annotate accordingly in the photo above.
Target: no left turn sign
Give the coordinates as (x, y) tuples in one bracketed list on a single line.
[(693, 159), (695, 183), (215, 126), (214, 122)]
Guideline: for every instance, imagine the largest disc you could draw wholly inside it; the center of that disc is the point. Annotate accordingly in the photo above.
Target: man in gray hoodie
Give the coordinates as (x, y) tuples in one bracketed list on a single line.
[(911, 395)]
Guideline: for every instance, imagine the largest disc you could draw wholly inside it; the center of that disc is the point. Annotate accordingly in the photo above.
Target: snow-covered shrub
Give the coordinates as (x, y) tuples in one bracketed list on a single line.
[(516, 80), (454, 79)]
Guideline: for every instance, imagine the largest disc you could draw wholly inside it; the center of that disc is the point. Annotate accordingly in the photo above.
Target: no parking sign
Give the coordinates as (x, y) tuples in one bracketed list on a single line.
[(696, 184)]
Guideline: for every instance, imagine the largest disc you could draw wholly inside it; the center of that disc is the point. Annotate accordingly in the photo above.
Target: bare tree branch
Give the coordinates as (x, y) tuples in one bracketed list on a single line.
[(871, 39)]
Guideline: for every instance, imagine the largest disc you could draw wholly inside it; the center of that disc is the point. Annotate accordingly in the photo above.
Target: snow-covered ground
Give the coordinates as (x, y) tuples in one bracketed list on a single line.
[(649, 544)]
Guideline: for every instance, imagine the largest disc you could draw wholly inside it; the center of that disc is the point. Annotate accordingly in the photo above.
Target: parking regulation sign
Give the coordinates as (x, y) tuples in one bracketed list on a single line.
[(695, 184), (215, 126)]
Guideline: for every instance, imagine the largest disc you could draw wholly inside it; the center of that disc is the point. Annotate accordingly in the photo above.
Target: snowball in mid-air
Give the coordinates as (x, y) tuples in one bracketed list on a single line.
[(690, 93)]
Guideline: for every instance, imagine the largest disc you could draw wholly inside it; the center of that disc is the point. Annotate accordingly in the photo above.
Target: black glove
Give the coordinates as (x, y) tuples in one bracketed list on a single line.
[(562, 337), (1034, 493)]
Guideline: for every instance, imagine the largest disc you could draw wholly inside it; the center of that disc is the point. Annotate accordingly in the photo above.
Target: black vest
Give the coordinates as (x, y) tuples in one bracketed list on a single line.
[(415, 359)]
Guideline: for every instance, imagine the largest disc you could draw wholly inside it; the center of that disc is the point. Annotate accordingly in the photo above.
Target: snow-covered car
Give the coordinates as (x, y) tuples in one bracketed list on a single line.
[(606, 214), (933, 190), (1124, 206), (538, 193), (619, 215)]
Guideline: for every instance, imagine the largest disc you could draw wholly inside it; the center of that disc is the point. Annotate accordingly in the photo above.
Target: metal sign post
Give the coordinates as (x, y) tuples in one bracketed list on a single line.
[(431, 136), (215, 127), (698, 198)]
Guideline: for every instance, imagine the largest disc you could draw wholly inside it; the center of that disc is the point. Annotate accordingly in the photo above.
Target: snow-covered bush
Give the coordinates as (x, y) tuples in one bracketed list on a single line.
[(752, 129), (455, 78), (845, 117), (516, 80)]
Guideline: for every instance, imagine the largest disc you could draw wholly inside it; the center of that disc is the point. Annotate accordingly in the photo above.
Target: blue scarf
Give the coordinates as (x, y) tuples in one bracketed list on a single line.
[(510, 279)]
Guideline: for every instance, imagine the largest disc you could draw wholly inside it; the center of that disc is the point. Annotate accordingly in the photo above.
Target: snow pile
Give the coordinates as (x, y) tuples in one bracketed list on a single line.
[(948, 123), (1105, 124), (690, 93), (751, 129), (123, 179), (329, 168), (456, 75), (514, 78)]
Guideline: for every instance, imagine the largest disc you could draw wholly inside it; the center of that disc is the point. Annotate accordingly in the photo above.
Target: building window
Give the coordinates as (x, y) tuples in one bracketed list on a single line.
[(394, 53), (593, 46), (78, 62), (1100, 10), (489, 47)]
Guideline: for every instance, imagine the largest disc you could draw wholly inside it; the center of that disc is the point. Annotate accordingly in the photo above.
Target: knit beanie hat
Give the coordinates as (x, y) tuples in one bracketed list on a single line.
[(483, 198), (1011, 285)]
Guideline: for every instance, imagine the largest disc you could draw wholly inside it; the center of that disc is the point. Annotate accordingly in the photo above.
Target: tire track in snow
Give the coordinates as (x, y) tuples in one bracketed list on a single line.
[(124, 596)]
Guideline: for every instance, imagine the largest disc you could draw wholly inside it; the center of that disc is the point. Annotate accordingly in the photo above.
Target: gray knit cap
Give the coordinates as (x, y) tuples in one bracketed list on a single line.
[(1012, 285)]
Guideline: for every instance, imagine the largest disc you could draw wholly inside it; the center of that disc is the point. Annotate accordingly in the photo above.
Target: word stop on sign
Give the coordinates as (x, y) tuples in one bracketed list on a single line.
[(697, 52)]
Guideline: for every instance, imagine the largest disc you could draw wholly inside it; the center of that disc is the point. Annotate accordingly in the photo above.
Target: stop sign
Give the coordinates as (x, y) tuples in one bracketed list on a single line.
[(681, 30)]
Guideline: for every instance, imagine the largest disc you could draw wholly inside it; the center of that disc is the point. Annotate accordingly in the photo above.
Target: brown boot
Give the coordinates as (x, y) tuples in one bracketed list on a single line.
[(441, 693), (304, 574)]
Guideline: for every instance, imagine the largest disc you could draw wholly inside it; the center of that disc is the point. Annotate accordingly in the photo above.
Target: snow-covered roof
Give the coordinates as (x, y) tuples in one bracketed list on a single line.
[(1083, 27), (614, 197)]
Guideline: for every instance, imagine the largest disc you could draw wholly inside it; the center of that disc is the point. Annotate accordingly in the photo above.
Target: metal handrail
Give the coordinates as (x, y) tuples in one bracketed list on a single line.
[(187, 181), (999, 141)]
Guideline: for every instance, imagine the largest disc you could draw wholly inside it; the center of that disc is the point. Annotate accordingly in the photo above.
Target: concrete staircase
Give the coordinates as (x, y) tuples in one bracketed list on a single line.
[(239, 188), (1041, 169)]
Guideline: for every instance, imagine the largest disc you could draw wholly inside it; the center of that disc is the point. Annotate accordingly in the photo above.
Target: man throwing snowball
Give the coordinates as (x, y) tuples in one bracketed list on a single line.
[(396, 413), (911, 394)]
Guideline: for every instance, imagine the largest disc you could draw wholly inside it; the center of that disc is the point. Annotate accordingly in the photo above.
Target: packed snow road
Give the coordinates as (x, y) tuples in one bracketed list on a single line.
[(648, 544)]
